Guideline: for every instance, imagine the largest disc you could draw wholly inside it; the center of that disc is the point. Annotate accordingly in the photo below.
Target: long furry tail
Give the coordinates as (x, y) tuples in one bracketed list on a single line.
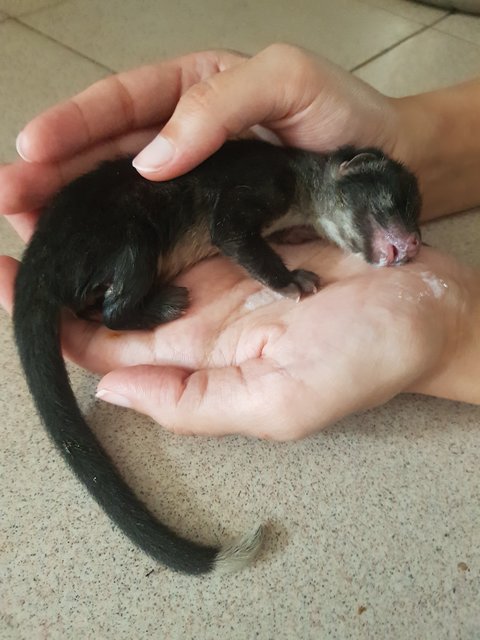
[(36, 325)]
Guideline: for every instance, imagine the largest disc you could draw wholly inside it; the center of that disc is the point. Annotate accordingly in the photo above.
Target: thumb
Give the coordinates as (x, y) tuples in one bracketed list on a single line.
[(262, 89), (203, 402)]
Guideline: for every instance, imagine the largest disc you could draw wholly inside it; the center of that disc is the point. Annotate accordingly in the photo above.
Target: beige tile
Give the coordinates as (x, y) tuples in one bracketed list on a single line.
[(411, 10), (19, 7), (458, 234), (427, 61), (3, 16), (121, 35), (377, 512), (34, 74), (462, 26)]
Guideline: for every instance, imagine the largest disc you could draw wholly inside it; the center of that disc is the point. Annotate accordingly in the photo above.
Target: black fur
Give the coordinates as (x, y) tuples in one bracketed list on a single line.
[(101, 245)]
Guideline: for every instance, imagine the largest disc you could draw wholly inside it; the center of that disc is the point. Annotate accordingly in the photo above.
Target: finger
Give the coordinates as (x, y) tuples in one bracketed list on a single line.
[(116, 105), (8, 273), (209, 401), (27, 186), (259, 90)]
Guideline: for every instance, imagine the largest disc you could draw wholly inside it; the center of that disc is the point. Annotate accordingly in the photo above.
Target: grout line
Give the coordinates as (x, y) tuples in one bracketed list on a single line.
[(454, 35), (399, 42), (408, 18), (62, 44)]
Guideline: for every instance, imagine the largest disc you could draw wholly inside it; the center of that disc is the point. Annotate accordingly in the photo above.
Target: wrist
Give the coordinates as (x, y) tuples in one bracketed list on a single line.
[(456, 374), (437, 137)]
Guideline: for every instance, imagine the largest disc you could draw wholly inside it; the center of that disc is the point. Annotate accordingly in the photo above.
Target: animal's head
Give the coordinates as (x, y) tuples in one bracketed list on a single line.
[(373, 206)]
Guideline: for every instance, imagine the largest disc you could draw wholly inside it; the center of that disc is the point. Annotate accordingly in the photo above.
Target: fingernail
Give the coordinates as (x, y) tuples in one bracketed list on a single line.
[(113, 398), (20, 144), (155, 155)]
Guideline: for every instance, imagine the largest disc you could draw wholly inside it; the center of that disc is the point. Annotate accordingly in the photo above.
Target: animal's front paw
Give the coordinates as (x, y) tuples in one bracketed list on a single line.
[(304, 283)]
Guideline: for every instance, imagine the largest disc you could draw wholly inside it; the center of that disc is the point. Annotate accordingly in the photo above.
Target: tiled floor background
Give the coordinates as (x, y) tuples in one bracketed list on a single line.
[(376, 513)]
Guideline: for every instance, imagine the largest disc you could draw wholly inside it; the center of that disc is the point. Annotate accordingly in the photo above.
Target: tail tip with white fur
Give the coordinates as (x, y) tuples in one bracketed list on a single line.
[(239, 553)]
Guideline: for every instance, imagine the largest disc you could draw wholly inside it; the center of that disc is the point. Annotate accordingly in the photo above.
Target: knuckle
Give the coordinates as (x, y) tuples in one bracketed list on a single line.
[(201, 96), (282, 52), (289, 67)]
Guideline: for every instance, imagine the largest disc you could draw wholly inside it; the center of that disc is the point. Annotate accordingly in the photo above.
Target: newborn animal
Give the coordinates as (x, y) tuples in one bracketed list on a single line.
[(112, 241)]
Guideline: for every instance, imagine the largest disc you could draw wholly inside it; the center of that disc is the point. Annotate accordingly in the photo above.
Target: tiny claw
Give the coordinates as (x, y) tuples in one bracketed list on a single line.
[(292, 291), (307, 281), (304, 283)]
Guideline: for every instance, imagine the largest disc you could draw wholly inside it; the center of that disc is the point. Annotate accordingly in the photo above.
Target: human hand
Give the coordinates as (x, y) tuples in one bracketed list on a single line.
[(118, 116), (243, 360), (303, 99)]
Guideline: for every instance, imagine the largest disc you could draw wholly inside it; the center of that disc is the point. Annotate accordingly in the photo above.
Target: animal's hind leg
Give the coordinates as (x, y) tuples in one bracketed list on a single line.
[(134, 300), (162, 304)]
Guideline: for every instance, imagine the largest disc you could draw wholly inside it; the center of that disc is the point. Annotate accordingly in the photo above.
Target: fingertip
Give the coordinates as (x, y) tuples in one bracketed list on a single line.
[(152, 390), (159, 392), (7, 262), (169, 156), (57, 133), (154, 156), (21, 145), (113, 398), (35, 143)]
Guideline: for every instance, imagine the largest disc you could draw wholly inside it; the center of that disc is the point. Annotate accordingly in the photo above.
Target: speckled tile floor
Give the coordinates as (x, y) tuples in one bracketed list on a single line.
[(374, 524)]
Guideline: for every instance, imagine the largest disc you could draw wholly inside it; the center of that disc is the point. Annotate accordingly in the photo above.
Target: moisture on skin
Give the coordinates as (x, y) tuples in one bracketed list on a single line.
[(109, 244)]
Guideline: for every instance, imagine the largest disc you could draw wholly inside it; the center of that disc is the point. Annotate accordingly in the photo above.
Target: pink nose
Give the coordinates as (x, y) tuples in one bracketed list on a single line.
[(403, 249)]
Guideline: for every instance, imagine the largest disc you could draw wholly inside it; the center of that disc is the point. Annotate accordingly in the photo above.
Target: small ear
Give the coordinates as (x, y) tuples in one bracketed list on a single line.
[(349, 166)]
